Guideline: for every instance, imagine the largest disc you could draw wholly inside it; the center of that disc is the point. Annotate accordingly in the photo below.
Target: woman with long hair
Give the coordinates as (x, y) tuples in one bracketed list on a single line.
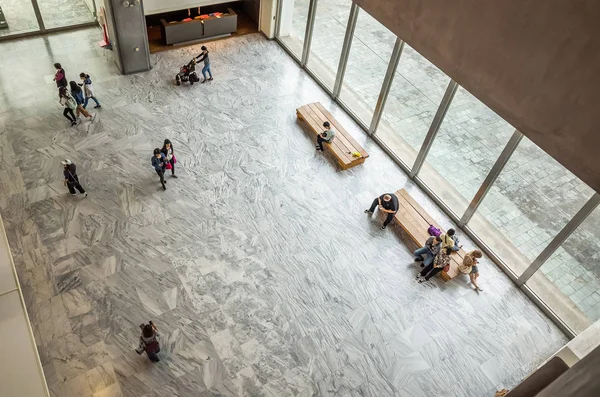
[(77, 93), (69, 103), (167, 150)]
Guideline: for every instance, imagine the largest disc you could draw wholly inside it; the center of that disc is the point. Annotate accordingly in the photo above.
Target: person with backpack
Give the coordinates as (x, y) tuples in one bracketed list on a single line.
[(71, 180), (69, 103), (149, 342), (88, 90), (442, 259), (204, 57), (387, 203), (325, 136), (431, 248)]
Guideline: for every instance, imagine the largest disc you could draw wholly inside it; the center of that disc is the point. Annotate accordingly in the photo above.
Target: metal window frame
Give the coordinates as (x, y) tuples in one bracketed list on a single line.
[(560, 238), (434, 127), (38, 15), (462, 221), (350, 27), (310, 24), (491, 177), (386, 85)]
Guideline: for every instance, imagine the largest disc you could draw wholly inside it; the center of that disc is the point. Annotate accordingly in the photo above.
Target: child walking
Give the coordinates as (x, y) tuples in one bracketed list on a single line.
[(149, 342), (88, 90)]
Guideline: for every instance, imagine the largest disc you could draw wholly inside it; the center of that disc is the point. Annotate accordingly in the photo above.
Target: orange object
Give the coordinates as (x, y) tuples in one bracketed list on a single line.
[(205, 16), (186, 20)]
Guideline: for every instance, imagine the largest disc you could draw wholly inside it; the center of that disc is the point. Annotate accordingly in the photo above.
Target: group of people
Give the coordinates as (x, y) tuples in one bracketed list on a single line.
[(74, 97), (164, 159), (435, 254)]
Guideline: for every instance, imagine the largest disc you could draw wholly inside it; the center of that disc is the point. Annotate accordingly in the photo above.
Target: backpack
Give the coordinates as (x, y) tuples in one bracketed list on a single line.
[(433, 231)]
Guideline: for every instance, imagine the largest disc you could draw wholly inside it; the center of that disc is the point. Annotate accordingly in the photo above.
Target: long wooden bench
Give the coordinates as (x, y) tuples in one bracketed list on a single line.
[(344, 146), (415, 221)]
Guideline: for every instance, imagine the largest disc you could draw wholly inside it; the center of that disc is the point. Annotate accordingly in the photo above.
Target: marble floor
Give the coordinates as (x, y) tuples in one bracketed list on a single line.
[(257, 264)]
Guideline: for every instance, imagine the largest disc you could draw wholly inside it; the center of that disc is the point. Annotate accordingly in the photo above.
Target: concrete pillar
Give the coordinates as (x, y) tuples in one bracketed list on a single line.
[(129, 38)]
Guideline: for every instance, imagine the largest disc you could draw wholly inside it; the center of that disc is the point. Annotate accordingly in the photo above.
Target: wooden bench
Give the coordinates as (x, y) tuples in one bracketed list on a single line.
[(415, 221), (343, 145)]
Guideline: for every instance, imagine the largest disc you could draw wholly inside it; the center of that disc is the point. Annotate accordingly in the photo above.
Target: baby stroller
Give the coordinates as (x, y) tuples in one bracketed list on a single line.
[(187, 73)]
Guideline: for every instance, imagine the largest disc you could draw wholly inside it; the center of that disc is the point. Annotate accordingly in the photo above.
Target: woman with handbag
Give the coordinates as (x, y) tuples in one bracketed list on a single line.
[(167, 150), (469, 266), (441, 262), (149, 342)]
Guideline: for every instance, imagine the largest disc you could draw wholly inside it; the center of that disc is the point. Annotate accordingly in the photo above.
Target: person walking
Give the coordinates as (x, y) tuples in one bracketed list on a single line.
[(204, 57), (71, 179), (60, 77), (77, 93), (469, 266), (159, 162), (431, 248), (167, 150), (442, 259), (88, 90), (69, 103), (325, 136), (387, 203), (149, 342)]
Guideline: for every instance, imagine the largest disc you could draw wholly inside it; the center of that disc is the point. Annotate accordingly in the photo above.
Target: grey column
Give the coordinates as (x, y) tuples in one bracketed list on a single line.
[(339, 77), (128, 35), (310, 24), (387, 84), (491, 177), (560, 238), (434, 127)]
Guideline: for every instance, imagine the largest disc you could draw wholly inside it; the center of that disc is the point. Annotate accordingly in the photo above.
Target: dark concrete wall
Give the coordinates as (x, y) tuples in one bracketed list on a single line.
[(535, 62)]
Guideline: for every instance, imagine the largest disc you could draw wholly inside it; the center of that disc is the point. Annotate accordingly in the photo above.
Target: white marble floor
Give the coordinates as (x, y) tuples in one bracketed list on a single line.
[(257, 264)]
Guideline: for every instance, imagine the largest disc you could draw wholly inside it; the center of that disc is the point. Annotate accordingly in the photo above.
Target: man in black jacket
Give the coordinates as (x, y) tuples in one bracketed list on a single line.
[(71, 179), (387, 203)]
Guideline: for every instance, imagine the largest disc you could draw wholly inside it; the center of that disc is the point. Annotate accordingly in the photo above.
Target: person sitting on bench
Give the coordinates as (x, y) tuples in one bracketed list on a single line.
[(387, 203), (441, 260), (325, 136), (450, 240), (430, 250)]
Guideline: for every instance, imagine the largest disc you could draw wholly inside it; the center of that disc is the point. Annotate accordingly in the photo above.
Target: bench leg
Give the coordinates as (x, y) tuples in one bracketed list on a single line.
[(445, 276), (299, 116)]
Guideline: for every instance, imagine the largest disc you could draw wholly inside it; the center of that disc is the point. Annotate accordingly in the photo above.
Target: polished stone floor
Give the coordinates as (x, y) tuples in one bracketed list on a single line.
[(258, 264)]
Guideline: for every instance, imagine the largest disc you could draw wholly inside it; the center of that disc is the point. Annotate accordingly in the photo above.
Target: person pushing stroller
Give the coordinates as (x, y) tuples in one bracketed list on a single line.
[(204, 57)]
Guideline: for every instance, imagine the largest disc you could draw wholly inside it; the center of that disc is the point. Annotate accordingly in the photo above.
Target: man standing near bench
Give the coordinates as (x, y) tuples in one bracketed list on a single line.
[(325, 136), (387, 203)]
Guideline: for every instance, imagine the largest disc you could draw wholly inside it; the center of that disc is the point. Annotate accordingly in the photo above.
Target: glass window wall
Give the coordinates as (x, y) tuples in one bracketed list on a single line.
[(370, 53), (66, 12), (531, 201), (468, 143), (19, 18), (416, 92), (328, 37), (569, 281), (292, 24)]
